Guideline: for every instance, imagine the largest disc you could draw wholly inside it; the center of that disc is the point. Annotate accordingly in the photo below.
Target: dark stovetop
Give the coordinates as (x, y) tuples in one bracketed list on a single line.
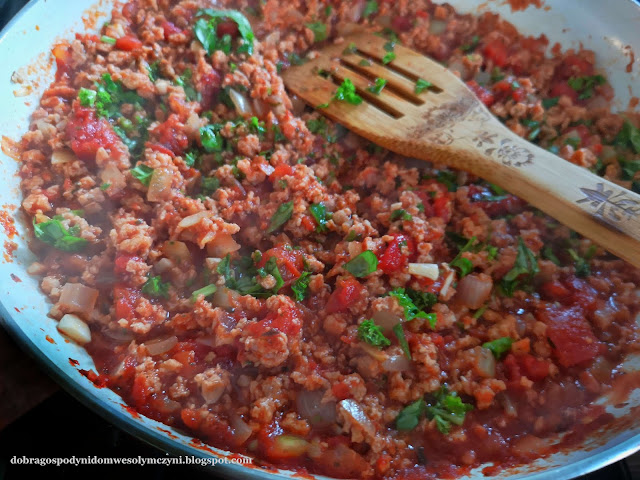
[(63, 427)]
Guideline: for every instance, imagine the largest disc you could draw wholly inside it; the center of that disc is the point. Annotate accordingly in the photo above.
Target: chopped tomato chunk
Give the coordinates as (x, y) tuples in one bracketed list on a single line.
[(347, 293), (497, 52), (88, 133), (128, 43), (483, 94), (393, 259), (170, 134)]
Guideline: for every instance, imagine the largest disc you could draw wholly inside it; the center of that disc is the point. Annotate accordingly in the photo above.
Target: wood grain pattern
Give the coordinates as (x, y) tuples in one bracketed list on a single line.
[(448, 125)]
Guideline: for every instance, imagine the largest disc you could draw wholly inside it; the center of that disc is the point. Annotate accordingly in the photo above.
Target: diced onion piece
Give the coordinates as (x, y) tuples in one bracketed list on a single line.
[(483, 77), (350, 409), (160, 185), (386, 320), (243, 107), (437, 27), (447, 283), (474, 290), (288, 446), (161, 345), (212, 394), (485, 363), (177, 251), (508, 405), (224, 298), (241, 430), (297, 105), (194, 219), (428, 270), (374, 352), (310, 406), (113, 177), (73, 327), (221, 245), (58, 157), (208, 341), (77, 298), (397, 363)]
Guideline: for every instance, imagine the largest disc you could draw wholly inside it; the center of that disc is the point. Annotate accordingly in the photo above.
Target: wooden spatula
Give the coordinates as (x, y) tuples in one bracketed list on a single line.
[(447, 124)]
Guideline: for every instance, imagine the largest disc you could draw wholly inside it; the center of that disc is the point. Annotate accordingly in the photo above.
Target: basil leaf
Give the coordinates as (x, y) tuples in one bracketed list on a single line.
[(362, 265), (400, 214), (87, 97), (211, 138), (463, 265), (378, 86), (370, 8), (547, 103), (628, 137), (319, 213), (209, 185), (207, 30), (447, 409), (422, 85), (499, 347), (370, 333), (411, 310), (142, 173), (54, 233), (347, 93), (388, 58), (282, 215), (526, 264)]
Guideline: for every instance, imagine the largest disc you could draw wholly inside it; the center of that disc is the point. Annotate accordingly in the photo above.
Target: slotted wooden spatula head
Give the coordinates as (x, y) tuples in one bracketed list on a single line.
[(426, 112)]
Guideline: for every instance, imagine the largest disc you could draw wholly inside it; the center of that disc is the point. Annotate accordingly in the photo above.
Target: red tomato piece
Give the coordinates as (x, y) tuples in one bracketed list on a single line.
[(128, 43), (574, 66), (555, 291), (393, 260), (348, 292), (170, 134), (572, 337), (88, 133), (290, 262), (125, 299), (121, 263), (402, 23), (562, 88), (286, 320), (62, 54), (442, 208), (483, 94), (140, 391), (228, 27), (497, 52), (341, 390), (280, 171), (169, 29), (509, 205), (209, 88)]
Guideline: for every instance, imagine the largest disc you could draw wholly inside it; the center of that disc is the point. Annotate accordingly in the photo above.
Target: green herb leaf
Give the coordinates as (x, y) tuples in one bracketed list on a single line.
[(370, 8), (585, 85), (400, 214), (347, 93), (409, 417), (155, 287), (526, 264), (628, 137), (300, 286), (209, 185), (398, 330), (351, 49), (499, 347), (206, 291), (547, 103), (388, 58), (463, 264), (205, 31), (421, 86), (370, 333), (364, 63), (362, 265), (319, 30), (211, 138), (472, 45), (142, 173), (54, 233), (547, 253), (583, 269), (447, 409), (282, 215), (105, 186), (87, 97), (153, 71), (319, 213), (414, 303), (107, 39), (378, 86), (185, 82)]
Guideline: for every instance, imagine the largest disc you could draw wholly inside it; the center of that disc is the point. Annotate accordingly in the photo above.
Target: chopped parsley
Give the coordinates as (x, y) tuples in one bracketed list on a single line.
[(547, 103), (87, 97), (206, 291), (209, 185), (370, 333), (447, 409), (414, 303), (388, 58), (184, 81), (319, 30), (142, 173), (54, 233), (105, 186), (463, 264), (319, 213), (525, 268), (499, 347), (351, 49), (107, 39), (153, 71), (472, 45), (400, 214), (370, 8), (300, 286), (585, 85), (581, 264), (364, 63), (282, 215), (347, 93), (155, 287), (378, 86), (409, 417), (547, 253), (628, 137), (362, 265), (212, 140), (206, 31), (421, 86), (241, 275)]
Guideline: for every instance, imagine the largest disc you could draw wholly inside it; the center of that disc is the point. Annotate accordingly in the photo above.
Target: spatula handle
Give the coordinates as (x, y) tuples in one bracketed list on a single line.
[(592, 206)]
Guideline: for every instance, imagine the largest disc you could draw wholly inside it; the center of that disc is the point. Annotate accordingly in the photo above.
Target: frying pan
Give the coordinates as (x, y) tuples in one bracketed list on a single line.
[(608, 28)]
